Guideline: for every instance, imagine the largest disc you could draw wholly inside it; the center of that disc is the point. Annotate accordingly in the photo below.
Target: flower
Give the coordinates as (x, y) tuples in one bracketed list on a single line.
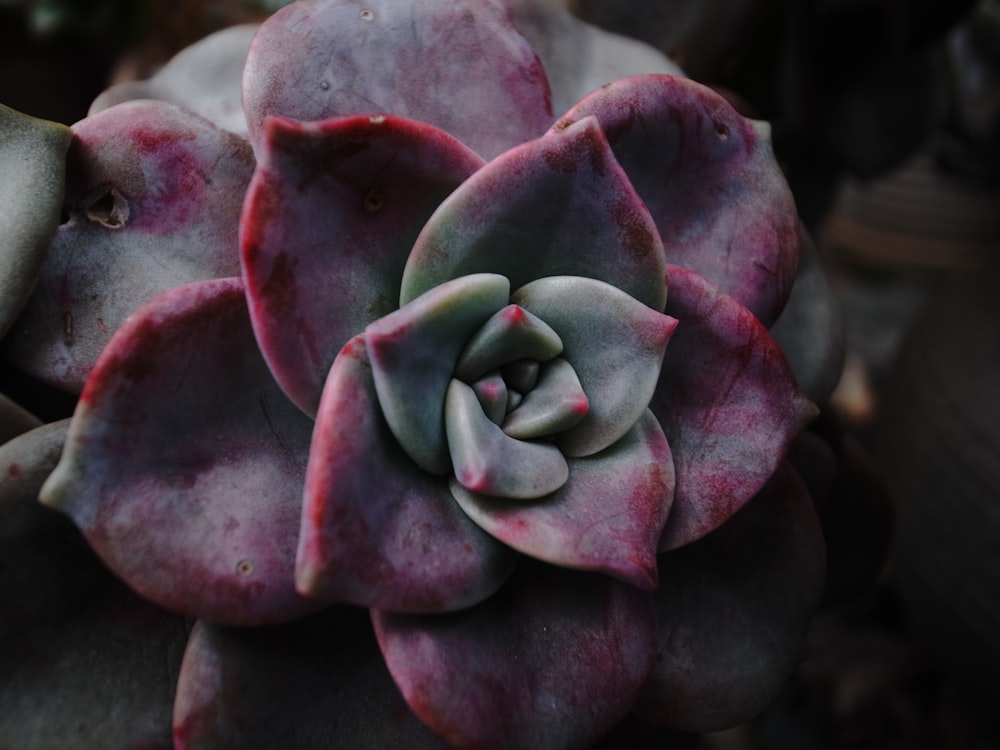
[(506, 382)]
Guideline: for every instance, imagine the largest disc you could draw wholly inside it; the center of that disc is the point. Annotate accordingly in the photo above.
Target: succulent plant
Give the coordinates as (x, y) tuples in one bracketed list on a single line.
[(417, 346)]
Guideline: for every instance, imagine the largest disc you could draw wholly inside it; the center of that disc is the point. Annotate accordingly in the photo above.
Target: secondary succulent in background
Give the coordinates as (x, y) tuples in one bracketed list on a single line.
[(421, 347)]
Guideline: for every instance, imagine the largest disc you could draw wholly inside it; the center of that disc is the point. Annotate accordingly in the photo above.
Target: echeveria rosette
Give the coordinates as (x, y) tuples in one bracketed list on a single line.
[(530, 400)]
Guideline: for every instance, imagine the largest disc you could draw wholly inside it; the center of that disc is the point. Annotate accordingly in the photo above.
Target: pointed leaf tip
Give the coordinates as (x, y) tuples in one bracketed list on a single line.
[(712, 184), (607, 517), (330, 217), (559, 205), (193, 500), (377, 530), (414, 352)]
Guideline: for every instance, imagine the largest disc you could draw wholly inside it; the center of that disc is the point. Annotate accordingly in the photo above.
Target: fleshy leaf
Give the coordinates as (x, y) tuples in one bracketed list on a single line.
[(33, 154), (331, 215), (811, 330), (732, 608), (493, 395), (413, 353), (607, 517), (102, 675), (520, 375), (376, 529), (488, 461), (184, 461), (15, 419), (85, 662), (553, 660), (47, 572), (153, 199), (511, 334), (315, 684), (559, 205), (578, 57), (206, 78), (615, 345), (557, 402), (710, 181), (728, 403), (313, 60), (25, 463)]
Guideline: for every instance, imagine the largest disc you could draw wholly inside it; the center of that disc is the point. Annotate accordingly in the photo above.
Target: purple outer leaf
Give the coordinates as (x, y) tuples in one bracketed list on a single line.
[(733, 607), (205, 77), (728, 403), (85, 662), (33, 154), (101, 676), (607, 517), (25, 463), (184, 461), (153, 198), (376, 529), (330, 217), (47, 571), (553, 660), (414, 352), (459, 66), (711, 182), (811, 329), (615, 345), (314, 684), (557, 206)]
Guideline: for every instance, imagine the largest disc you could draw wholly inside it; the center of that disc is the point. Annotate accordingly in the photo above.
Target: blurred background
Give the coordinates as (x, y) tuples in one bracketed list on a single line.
[(886, 120)]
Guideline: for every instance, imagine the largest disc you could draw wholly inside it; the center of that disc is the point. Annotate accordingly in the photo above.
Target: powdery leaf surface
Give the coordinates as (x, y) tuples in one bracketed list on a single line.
[(330, 217), (205, 77), (184, 461), (33, 154), (376, 529), (555, 659), (728, 403), (607, 517), (153, 198), (616, 346), (313, 60), (557, 206), (710, 181)]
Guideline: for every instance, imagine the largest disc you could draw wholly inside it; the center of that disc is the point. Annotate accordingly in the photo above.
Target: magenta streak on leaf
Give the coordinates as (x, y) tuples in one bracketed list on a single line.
[(607, 517), (376, 529), (153, 199), (524, 218), (184, 462), (313, 60), (728, 403), (553, 660), (710, 181), (330, 217)]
